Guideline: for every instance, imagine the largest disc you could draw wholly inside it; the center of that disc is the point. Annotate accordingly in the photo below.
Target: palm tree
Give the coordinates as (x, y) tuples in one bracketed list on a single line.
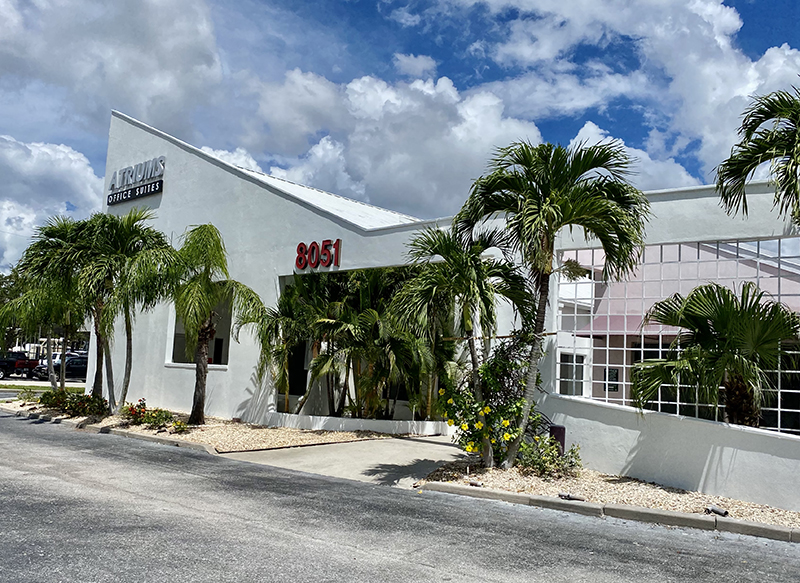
[(770, 132), (539, 190), (201, 286), (458, 281), (726, 341), (42, 303), (126, 267), (49, 269)]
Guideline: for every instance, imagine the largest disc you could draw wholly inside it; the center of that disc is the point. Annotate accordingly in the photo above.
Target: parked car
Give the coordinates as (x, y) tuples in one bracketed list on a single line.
[(75, 368), (16, 363)]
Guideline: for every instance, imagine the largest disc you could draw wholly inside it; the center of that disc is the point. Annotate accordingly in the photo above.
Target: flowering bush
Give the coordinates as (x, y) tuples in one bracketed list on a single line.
[(180, 427), (155, 418), (134, 412), (503, 378), (82, 405)]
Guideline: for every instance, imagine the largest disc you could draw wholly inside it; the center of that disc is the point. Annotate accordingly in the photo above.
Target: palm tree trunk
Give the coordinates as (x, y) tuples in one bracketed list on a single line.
[(487, 453), (303, 399), (51, 373), (62, 381), (126, 377), (198, 414), (739, 402), (112, 405), (345, 391), (543, 281), (97, 385)]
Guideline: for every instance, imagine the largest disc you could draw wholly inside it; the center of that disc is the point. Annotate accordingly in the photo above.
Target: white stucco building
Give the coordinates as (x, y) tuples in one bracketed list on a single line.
[(690, 240)]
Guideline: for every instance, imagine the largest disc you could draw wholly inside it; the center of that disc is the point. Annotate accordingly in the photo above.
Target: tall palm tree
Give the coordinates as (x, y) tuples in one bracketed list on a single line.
[(541, 189), (457, 280), (770, 132), (126, 269), (50, 268), (726, 341), (201, 285)]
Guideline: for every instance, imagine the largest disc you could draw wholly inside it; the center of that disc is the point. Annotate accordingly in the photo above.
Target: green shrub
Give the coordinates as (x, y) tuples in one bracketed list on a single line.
[(27, 394), (85, 405), (76, 405), (134, 412), (156, 418), (542, 457), (54, 399)]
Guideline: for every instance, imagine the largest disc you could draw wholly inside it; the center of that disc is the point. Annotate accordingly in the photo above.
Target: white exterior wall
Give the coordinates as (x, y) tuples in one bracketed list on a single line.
[(738, 462), (261, 228)]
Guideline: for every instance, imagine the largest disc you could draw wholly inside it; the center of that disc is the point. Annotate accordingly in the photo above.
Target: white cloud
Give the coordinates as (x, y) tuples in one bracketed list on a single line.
[(648, 173), (295, 110), (405, 17), (691, 78), (325, 164), (39, 181), (414, 147), (239, 157), (414, 65), (154, 59)]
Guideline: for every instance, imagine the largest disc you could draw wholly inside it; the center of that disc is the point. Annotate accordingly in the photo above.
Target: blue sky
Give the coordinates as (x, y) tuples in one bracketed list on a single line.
[(397, 103)]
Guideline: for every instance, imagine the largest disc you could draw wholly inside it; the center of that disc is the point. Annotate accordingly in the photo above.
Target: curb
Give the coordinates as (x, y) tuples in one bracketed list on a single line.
[(625, 512), (96, 429)]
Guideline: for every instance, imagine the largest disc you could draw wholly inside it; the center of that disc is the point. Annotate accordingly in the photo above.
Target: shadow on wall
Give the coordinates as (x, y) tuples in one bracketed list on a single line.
[(716, 458), (260, 401)]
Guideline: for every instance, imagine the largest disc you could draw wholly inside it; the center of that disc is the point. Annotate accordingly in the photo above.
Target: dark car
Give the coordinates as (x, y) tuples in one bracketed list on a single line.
[(75, 368)]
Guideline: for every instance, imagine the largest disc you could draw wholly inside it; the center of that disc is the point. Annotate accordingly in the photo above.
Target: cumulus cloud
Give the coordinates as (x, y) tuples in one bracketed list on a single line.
[(239, 157), (39, 181), (687, 72), (414, 65), (648, 173), (298, 108), (414, 147), (154, 59)]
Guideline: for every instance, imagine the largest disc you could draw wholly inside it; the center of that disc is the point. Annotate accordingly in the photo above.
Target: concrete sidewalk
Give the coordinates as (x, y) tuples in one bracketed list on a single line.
[(388, 462)]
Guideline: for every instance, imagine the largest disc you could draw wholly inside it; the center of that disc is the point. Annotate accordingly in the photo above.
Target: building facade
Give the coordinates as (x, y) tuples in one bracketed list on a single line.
[(275, 229)]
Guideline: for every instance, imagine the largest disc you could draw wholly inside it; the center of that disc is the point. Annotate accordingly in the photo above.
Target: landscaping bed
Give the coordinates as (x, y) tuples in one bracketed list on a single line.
[(224, 435), (606, 489)]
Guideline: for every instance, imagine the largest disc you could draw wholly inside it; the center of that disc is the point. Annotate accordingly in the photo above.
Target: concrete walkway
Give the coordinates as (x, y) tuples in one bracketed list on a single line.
[(388, 462)]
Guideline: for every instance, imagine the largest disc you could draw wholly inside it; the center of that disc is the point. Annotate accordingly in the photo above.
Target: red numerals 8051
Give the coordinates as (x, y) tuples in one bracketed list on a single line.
[(316, 254)]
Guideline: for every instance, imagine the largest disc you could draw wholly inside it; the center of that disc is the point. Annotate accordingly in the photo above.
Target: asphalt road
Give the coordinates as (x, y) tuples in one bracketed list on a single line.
[(85, 507)]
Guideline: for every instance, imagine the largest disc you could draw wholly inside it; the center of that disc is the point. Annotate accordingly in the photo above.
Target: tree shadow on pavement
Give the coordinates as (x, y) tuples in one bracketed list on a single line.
[(391, 474)]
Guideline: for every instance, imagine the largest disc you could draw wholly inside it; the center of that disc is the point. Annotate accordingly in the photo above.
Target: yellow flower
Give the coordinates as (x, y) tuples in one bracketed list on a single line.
[(445, 414), (487, 409), (494, 440), (468, 449), (441, 391), (479, 425), (450, 401), (450, 422), (464, 426), (506, 423), (536, 438), (506, 436)]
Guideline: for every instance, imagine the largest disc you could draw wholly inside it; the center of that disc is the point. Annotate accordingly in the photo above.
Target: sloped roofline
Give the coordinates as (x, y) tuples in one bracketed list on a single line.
[(410, 223)]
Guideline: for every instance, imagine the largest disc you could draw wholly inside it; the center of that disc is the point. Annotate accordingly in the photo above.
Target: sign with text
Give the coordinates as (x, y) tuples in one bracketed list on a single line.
[(132, 182), (317, 254)]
